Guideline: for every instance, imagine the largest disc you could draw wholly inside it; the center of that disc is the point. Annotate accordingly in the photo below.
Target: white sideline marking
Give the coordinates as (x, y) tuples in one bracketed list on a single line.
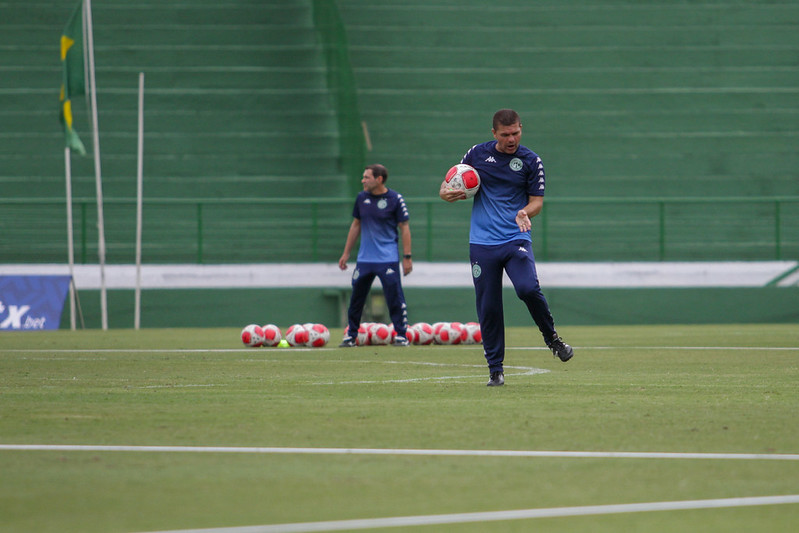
[(495, 516), (282, 351), (397, 451), (649, 274)]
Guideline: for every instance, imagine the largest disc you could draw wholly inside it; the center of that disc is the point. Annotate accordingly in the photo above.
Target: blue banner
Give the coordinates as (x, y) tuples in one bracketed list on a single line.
[(30, 303)]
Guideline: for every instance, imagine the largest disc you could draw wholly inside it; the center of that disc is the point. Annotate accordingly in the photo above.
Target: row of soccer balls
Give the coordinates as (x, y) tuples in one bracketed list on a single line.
[(421, 333), (312, 335), (369, 333)]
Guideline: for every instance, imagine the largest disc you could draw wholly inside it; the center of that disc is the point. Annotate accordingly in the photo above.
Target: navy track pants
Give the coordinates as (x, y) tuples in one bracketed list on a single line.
[(488, 263), (362, 279)]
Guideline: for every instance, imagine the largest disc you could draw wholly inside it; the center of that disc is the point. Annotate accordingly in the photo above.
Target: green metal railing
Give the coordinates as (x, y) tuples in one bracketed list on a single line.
[(207, 230)]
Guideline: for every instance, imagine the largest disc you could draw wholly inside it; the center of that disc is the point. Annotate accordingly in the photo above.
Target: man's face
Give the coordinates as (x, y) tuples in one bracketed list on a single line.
[(370, 183), (508, 138)]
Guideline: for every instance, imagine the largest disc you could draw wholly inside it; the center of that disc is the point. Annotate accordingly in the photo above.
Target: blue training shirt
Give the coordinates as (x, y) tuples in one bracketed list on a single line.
[(379, 216), (506, 182)]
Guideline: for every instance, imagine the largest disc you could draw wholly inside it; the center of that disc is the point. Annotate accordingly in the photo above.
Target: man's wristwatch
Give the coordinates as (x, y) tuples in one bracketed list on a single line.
[(407, 256)]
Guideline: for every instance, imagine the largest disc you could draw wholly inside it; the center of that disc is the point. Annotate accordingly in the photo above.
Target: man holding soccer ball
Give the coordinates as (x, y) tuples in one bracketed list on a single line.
[(511, 193), (378, 213)]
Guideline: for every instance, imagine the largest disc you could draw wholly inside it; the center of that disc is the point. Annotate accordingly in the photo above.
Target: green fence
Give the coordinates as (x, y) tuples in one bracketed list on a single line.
[(215, 231)]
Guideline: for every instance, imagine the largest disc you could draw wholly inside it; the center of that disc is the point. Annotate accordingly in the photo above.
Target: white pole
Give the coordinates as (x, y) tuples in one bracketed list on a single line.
[(70, 239), (139, 195), (97, 172)]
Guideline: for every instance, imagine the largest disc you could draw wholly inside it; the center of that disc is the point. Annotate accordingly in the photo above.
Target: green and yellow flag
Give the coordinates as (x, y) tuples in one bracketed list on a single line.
[(73, 83)]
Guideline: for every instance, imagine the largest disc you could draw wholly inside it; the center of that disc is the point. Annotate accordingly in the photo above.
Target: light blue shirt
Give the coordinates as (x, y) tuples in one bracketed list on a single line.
[(379, 215), (506, 183)]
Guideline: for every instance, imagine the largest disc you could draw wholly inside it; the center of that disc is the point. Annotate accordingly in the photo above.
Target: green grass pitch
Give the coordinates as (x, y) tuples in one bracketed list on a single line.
[(730, 389)]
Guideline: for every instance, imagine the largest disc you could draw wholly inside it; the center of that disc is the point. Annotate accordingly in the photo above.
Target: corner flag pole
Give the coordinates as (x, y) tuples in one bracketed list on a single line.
[(97, 172), (139, 194)]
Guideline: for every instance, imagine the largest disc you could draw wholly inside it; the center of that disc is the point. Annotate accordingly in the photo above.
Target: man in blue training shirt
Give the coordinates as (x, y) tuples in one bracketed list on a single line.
[(377, 215), (511, 193)]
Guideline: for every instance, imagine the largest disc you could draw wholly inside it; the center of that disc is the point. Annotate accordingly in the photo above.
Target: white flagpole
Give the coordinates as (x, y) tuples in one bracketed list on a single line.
[(97, 172), (139, 195), (70, 239)]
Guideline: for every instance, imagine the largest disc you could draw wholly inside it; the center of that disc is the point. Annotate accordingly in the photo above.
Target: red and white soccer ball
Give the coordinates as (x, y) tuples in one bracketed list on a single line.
[(272, 335), (424, 333), (252, 336), (460, 332), (465, 178), (318, 335), (411, 335), (473, 335), (449, 333), (296, 335), (363, 335), (436, 328), (379, 334)]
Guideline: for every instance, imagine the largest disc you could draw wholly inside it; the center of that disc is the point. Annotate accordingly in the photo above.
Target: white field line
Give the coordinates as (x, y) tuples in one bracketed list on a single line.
[(397, 451), (523, 371), (496, 516), (272, 351)]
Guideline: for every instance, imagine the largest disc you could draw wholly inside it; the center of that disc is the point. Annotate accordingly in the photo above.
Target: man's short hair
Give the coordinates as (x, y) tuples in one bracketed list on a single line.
[(506, 117), (378, 171)]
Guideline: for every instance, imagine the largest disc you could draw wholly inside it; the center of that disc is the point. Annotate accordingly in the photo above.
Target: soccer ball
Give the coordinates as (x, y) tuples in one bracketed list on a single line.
[(424, 333), (474, 336), (460, 328), (362, 338), (379, 334), (318, 335), (272, 335), (449, 333), (463, 178), (296, 335), (411, 335), (436, 326), (252, 336)]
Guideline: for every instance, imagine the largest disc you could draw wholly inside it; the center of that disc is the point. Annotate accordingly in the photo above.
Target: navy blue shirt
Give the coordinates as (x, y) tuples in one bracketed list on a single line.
[(379, 216), (506, 182)]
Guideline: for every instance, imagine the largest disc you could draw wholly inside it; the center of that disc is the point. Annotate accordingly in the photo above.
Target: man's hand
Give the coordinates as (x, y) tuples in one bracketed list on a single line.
[(342, 262), (407, 266), (523, 221), (450, 195)]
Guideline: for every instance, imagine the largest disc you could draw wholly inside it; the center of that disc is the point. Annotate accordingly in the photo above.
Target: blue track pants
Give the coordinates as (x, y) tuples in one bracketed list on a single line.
[(488, 263), (362, 279)]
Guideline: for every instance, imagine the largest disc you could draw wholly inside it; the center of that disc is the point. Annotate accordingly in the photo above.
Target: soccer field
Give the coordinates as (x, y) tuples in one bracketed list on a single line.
[(678, 428)]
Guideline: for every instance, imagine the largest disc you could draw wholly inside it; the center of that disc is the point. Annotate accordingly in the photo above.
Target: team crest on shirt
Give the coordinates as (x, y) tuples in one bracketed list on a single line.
[(516, 164), (382, 203)]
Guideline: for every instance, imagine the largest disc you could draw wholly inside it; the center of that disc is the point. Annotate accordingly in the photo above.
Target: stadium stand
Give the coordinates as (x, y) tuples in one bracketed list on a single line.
[(668, 131), (236, 106), (235, 100), (622, 100)]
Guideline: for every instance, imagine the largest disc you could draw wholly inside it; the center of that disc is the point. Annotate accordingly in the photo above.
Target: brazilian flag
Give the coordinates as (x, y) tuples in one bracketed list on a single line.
[(73, 83)]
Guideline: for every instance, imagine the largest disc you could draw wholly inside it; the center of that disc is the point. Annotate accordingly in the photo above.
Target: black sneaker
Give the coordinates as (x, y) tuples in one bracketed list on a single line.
[(497, 379), (399, 340), (348, 342), (560, 349)]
